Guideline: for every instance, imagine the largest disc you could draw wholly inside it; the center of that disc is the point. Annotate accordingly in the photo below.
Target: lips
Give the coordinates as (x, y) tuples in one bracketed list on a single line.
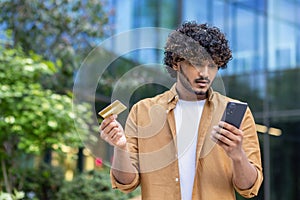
[(202, 82)]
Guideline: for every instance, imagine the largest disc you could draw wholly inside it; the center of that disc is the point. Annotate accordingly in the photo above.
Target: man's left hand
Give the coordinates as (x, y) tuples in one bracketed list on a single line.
[(229, 138)]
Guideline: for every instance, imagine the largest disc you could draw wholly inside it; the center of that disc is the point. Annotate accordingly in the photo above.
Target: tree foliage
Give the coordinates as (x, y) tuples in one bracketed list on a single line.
[(38, 117), (63, 31), (32, 118)]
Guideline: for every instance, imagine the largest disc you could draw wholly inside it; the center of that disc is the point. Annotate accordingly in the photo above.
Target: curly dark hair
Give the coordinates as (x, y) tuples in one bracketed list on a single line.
[(192, 41)]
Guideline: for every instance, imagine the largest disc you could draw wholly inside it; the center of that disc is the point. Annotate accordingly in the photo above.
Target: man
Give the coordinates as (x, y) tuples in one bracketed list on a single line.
[(174, 144)]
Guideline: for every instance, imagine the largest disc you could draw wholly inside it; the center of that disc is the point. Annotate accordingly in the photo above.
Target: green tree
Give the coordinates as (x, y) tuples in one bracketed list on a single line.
[(61, 30), (32, 119)]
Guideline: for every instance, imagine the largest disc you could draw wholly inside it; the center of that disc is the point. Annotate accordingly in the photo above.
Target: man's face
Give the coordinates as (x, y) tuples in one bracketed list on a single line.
[(196, 78)]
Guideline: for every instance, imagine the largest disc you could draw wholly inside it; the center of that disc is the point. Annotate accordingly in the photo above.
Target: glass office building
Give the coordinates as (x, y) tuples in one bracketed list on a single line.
[(265, 71)]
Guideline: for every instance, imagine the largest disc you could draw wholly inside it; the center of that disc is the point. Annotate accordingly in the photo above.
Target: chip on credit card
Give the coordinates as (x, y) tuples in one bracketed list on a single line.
[(114, 108)]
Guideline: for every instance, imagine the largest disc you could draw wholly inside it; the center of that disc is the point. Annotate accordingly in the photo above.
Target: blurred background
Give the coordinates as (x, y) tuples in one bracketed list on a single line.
[(43, 44)]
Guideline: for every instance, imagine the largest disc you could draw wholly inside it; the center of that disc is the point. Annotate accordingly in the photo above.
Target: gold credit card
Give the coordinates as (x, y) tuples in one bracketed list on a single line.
[(114, 108)]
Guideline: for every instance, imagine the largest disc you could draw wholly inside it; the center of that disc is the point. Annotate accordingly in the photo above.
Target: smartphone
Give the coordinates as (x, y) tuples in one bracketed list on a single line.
[(234, 113)]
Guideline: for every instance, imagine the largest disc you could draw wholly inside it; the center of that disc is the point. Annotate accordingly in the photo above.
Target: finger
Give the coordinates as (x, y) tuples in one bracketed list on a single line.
[(214, 137), (224, 132), (224, 140), (109, 137), (116, 136), (110, 127), (222, 135), (113, 138), (229, 127), (104, 123), (113, 132), (107, 121)]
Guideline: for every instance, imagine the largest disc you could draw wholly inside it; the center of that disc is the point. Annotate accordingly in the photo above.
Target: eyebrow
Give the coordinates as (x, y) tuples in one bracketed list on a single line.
[(212, 65), (200, 63)]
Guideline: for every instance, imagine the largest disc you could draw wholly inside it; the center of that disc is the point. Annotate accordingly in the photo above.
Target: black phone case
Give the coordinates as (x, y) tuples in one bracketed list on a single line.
[(234, 113)]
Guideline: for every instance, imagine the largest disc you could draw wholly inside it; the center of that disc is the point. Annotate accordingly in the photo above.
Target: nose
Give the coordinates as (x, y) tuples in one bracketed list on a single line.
[(202, 70)]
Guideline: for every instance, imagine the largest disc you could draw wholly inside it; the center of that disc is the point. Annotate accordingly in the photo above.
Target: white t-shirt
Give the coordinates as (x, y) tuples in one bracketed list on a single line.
[(187, 118)]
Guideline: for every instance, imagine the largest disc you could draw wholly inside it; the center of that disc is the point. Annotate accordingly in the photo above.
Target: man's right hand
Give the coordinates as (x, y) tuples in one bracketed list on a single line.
[(112, 132)]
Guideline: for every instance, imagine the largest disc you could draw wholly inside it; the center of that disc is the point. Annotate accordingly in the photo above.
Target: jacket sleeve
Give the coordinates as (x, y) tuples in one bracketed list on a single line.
[(124, 188), (132, 147), (252, 150)]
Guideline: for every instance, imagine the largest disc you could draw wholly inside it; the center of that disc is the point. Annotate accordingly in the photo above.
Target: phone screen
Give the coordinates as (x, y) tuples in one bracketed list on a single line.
[(234, 113)]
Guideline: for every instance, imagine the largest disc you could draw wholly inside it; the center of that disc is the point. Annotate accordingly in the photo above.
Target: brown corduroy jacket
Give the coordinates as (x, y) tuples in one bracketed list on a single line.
[(151, 136)]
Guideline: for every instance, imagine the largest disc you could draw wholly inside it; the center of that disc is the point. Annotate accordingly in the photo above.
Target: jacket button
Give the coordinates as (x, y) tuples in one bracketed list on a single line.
[(176, 179)]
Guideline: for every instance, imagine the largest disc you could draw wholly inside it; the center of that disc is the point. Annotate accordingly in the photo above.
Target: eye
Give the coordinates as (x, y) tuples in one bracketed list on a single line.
[(212, 65), (188, 63)]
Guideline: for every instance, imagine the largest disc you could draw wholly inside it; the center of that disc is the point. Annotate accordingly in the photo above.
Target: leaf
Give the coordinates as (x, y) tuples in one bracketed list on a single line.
[(38, 117), (50, 66)]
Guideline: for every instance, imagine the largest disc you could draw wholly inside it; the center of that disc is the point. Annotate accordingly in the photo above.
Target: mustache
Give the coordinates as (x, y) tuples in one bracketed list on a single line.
[(201, 79)]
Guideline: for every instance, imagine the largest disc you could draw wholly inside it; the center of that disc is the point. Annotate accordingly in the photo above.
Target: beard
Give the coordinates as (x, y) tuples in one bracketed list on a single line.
[(187, 84)]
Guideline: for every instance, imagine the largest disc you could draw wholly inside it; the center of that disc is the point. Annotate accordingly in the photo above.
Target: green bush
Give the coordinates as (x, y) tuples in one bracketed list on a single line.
[(48, 182), (43, 182), (92, 185)]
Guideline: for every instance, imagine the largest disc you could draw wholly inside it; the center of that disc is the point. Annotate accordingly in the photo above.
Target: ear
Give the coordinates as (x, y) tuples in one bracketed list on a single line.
[(176, 66)]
